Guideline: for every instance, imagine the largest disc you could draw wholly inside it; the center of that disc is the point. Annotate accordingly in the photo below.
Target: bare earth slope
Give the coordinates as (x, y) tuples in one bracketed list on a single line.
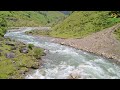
[(101, 43)]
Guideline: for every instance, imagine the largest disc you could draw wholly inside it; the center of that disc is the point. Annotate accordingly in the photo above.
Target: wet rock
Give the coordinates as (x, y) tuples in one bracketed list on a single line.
[(62, 43), (10, 55), (10, 43), (74, 75), (24, 50)]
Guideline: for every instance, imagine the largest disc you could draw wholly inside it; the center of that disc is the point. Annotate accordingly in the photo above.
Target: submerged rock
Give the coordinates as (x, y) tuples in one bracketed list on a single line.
[(10, 55)]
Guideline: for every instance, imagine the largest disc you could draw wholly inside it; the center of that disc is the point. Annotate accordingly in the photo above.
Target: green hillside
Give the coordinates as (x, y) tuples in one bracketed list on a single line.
[(30, 18), (82, 23), (53, 17), (3, 25)]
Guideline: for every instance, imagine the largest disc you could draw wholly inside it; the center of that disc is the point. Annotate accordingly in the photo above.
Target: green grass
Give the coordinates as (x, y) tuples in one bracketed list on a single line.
[(82, 23), (30, 18), (39, 32)]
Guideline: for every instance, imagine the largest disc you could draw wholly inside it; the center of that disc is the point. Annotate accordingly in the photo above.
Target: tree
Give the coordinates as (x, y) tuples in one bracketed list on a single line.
[(115, 14)]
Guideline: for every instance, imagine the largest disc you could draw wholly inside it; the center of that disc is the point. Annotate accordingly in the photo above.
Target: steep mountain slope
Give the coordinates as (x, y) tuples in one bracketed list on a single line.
[(82, 23), (30, 18)]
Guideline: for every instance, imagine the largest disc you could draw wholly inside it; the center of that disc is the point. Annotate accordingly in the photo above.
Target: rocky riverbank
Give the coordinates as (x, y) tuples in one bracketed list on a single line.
[(101, 43), (17, 58)]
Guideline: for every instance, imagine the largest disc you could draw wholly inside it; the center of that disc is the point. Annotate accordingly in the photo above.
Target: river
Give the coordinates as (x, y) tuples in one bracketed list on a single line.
[(60, 61)]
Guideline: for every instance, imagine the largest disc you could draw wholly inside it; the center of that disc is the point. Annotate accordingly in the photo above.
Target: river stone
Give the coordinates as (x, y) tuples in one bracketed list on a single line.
[(24, 50), (10, 55), (74, 75), (10, 43)]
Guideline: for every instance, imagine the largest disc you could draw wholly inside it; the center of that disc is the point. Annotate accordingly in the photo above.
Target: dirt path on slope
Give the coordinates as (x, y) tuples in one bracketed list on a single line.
[(102, 43)]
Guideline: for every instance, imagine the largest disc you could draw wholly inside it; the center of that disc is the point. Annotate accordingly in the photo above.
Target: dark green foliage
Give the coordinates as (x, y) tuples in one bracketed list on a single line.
[(115, 14), (30, 46), (38, 53), (3, 25)]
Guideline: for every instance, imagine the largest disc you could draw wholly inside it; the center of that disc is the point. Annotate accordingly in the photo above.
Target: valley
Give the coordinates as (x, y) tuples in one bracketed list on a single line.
[(59, 45)]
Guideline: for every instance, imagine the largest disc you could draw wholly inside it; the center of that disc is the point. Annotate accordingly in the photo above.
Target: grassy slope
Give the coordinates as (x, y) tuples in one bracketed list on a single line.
[(82, 23), (53, 17), (29, 18)]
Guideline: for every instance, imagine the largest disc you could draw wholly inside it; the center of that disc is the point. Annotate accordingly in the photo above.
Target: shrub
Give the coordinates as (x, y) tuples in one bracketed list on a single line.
[(38, 53), (30, 46)]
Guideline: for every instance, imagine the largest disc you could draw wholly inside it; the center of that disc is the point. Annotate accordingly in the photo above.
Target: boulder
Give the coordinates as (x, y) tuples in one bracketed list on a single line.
[(10, 43), (74, 75), (24, 50), (10, 55)]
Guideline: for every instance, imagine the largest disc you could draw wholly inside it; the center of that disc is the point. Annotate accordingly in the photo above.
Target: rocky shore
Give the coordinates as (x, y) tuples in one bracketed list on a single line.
[(101, 43), (17, 58)]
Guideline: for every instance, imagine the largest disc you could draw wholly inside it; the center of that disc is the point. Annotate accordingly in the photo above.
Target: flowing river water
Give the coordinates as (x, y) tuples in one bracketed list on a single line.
[(60, 61)]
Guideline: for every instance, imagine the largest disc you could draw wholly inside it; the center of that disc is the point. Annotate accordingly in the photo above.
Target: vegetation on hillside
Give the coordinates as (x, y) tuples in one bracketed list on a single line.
[(30, 18), (3, 26), (82, 23), (39, 32)]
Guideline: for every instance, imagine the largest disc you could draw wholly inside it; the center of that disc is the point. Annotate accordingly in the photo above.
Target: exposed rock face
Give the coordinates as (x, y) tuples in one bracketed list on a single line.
[(24, 50), (10, 55)]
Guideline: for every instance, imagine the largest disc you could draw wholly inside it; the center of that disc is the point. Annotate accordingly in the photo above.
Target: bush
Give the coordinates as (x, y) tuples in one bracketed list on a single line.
[(3, 26), (38, 53), (30, 46)]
